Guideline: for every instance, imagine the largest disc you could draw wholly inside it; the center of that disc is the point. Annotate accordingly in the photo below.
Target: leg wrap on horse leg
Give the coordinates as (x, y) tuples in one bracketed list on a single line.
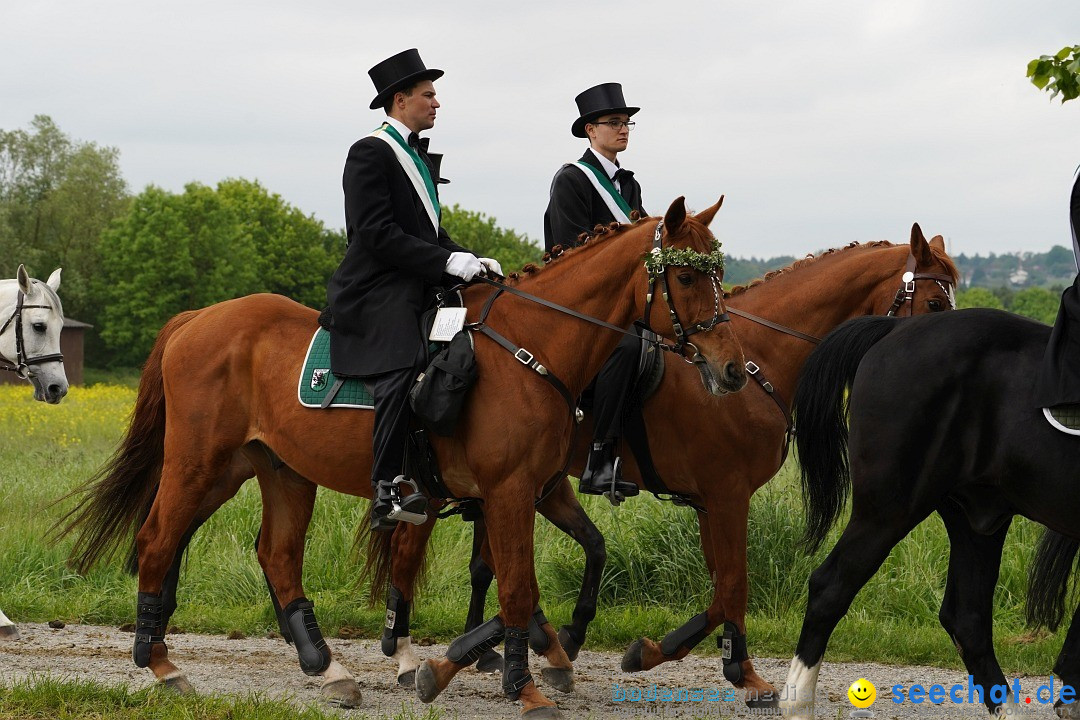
[(149, 627), (397, 621), (516, 662), (538, 639), (310, 646), (469, 647), (733, 651), (688, 636)]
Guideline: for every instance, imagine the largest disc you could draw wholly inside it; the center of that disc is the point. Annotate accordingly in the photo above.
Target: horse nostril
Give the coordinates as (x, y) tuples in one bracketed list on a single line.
[(56, 390), (733, 373)]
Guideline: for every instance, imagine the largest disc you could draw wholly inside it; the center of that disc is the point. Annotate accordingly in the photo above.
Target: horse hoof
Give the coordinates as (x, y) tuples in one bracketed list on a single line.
[(545, 712), (343, 692), (407, 679), (9, 632), (427, 689), (569, 645), (631, 661), (178, 683), (490, 662), (561, 679), (1066, 711)]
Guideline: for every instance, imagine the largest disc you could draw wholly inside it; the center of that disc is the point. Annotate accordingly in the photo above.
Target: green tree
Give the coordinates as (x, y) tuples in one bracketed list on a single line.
[(978, 297), (1058, 74), (1036, 303), (479, 233), (56, 197), (174, 252)]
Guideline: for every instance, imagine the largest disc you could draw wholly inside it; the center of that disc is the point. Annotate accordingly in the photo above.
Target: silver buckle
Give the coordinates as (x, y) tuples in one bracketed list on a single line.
[(751, 367), (523, 356)]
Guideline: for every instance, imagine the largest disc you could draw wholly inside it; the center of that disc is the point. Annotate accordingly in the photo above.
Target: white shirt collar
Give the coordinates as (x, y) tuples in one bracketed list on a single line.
[(609, 167), (399, 126)]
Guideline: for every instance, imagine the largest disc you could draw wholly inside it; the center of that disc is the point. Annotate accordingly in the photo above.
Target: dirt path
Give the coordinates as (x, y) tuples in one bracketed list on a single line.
[(216, 664)]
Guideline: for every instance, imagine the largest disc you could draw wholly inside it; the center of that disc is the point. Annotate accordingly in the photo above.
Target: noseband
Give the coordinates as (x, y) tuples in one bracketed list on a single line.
[(21, 366), (906, 293)]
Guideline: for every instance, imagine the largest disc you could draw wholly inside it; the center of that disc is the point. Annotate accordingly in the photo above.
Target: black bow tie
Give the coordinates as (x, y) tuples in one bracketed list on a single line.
[(621, 175), (418, 143)]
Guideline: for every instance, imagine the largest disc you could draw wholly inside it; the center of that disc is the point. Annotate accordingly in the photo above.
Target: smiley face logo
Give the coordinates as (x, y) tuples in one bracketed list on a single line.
[(862, 693)]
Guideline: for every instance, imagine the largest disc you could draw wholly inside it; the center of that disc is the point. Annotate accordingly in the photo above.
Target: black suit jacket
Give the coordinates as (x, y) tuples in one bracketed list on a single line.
[(393, 259), (575, 206)]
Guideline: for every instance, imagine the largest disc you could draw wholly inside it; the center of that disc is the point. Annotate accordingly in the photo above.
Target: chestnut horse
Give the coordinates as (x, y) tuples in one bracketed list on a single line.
[(741, 441), (217, 396), (31, 319)]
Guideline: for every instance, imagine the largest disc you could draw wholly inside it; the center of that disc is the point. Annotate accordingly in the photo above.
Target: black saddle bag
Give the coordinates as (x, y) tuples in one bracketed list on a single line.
[(439, 392)]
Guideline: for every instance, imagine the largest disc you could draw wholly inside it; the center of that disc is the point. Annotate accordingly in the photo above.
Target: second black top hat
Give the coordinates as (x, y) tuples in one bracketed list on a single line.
[(398, 72), (596, 101)]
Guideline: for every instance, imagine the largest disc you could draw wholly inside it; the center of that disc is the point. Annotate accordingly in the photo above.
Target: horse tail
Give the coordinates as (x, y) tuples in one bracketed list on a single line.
[(1048, 579), (820, 409), (120, 494), (376, 563)]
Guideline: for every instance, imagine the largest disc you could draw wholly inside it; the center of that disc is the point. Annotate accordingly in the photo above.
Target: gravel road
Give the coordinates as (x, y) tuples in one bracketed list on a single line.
[(267, 666)]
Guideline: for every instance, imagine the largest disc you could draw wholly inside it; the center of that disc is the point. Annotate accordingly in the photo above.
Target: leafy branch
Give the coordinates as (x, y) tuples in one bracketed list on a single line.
[(1059, 74)]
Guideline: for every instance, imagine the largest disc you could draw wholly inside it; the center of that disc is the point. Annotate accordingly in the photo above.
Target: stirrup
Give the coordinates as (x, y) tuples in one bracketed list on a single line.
[(614, 495), (411, 508)]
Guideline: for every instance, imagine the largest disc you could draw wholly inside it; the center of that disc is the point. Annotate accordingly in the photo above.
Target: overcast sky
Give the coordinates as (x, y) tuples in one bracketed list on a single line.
[(822, 122)]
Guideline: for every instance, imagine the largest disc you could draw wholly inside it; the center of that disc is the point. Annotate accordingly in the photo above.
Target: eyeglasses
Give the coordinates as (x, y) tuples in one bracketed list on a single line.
[(617, 125)]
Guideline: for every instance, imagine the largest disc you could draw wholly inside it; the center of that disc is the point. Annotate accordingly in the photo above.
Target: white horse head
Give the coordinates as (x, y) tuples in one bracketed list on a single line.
[(31, 318)]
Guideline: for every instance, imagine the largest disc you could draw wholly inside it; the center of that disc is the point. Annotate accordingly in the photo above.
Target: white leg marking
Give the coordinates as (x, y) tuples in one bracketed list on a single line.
[(800, 689), (334, 672), (4, 619), (406, 657)]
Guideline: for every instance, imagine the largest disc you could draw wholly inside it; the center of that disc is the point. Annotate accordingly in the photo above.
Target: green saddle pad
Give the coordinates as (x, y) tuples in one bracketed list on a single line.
[(1064, 417), (316, 380)]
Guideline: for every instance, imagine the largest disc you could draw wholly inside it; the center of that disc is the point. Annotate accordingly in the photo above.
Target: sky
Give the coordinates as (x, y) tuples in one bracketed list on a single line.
[(821, 122)]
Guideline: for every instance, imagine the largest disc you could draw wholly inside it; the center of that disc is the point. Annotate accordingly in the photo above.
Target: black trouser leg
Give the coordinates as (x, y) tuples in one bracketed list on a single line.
[(613, 385), (392, 414), (1058, 379)]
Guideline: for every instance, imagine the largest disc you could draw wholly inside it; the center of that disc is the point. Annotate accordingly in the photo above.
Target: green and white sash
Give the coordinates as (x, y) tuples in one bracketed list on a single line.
[(415, 169), (611, 197)]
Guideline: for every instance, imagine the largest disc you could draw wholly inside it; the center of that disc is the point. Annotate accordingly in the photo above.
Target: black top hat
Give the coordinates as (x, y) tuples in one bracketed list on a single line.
[(599, 100), (397, 73)]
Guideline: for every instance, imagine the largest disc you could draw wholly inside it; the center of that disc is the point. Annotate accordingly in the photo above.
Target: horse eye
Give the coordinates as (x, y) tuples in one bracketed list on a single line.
[(936, 306), (39, 327), (686, 279)]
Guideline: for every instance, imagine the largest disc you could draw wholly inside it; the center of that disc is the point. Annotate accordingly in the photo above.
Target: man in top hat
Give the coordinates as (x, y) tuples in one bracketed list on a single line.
[(596, 191), (397, 252)]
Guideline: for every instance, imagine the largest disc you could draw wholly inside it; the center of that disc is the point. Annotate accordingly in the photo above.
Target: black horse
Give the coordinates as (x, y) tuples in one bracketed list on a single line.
[(941, 420)]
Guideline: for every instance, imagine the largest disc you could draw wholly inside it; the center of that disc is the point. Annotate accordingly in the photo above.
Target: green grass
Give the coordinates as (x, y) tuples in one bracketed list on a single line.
[(46, 697), (654, 581)]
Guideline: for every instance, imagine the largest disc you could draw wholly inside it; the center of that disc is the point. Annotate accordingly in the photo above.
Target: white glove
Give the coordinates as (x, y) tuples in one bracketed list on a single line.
[(492, 265), (463, 265)]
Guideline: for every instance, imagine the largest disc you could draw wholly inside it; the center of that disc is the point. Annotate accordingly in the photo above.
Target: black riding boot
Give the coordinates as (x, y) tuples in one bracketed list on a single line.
[(603, 474), (388, 506)]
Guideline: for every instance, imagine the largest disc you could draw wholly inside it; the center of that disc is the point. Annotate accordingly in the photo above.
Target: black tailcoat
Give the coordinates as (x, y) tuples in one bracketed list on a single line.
[(393, 259), (575, 206), (1058, 381)]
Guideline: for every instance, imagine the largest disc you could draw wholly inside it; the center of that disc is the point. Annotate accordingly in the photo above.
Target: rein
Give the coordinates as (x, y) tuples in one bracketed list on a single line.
[(525, 357), (21, 366)]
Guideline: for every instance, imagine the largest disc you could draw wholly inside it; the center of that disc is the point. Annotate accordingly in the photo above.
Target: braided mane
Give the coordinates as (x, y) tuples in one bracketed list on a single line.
[(739, 289)]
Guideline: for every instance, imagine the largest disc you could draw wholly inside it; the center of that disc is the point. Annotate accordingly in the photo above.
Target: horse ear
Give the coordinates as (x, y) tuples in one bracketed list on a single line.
[(24, 280), (706, 216), (938, 242), (920, 249), (54, 280), (675, 215)]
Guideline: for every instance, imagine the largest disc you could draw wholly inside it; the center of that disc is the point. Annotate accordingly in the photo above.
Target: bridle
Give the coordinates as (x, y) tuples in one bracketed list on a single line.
[(682, 334), (21, 366), (906, 293)]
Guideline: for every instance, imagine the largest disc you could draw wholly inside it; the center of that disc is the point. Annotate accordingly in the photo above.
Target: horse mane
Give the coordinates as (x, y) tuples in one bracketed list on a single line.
[(585, 240), (947, 261)]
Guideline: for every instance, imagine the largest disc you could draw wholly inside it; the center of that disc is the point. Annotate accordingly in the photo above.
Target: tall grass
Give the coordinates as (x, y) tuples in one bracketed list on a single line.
[(655, 578)]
